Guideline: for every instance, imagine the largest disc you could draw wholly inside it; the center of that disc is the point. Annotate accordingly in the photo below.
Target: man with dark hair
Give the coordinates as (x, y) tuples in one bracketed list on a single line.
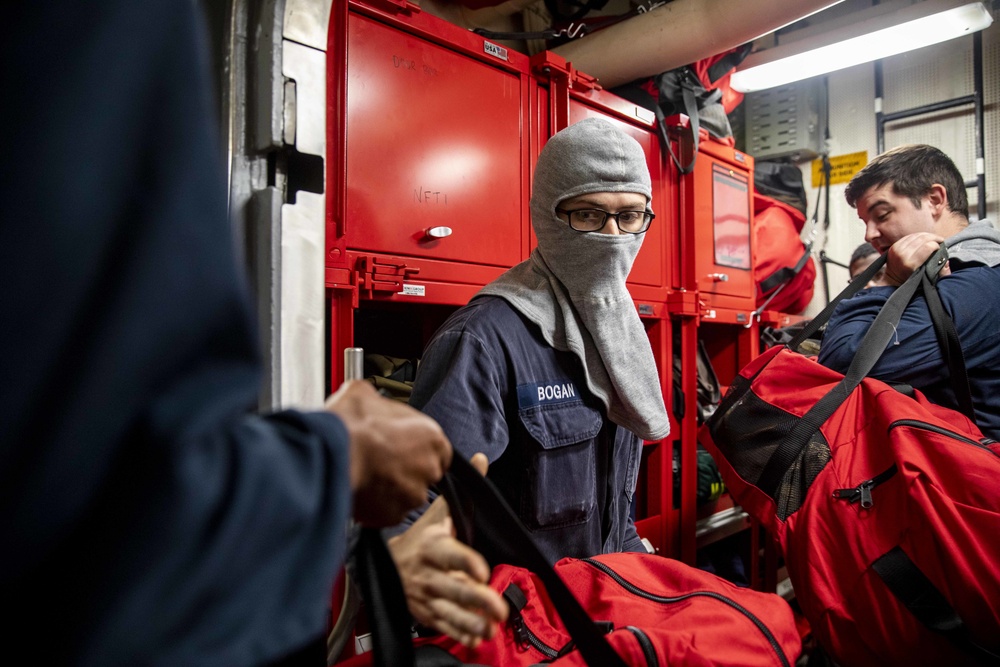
[(916, 190), (912, 199)]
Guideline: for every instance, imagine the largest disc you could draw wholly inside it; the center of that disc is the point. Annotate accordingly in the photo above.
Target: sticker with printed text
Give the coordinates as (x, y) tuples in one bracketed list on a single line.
[(495, 50), (413, 290)]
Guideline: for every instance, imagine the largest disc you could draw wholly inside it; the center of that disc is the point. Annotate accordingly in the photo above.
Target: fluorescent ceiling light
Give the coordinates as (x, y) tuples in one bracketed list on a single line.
[(883, 31)]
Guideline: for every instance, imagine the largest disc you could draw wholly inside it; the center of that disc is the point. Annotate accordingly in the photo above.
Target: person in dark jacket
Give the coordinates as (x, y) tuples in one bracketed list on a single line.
[(912, 199), (148, 514), (548, 370)]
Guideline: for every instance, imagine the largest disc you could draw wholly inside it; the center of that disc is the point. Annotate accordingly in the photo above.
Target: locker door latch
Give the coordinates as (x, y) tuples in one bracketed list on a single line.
[(375, 275)]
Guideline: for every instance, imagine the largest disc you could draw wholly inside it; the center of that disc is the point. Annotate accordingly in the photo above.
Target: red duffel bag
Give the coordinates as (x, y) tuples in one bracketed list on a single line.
[(613, 610), (886, 506), (657, 611)]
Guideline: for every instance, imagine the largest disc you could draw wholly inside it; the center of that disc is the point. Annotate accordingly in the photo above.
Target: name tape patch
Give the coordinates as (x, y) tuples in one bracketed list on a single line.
[(546, 393)]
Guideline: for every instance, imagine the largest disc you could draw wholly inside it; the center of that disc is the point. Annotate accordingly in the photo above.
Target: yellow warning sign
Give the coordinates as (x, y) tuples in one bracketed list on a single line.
[(842, 168)]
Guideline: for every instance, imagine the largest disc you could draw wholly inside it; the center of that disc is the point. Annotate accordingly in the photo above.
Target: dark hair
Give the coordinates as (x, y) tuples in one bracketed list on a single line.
[(912, 170), (861, 252)]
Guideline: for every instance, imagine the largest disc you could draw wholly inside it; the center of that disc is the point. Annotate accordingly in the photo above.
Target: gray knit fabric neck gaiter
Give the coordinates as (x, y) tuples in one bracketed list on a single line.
[(573, 285)]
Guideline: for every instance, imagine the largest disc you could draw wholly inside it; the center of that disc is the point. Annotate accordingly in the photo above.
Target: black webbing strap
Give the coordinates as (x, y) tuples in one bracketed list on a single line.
[(661, 125), (881, 332), (515, 597), (380, 584), (496, 523), (823, 317), (691, 109), (951, 349), (493, 521), (639, 95), (785, 274), (922, 598)]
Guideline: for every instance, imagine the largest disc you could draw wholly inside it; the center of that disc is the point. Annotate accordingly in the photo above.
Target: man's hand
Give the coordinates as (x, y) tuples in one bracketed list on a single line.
[(396, 453), (907, 255), (445, 580)]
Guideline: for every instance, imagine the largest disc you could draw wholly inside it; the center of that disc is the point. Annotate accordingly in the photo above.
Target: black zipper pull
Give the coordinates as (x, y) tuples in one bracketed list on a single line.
[(520, 632), (850, 495), (863, 491), (866, 494), (515, 602)]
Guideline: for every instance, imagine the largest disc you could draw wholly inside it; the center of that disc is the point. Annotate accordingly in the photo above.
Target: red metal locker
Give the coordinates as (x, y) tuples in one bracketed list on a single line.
[(434, 142)]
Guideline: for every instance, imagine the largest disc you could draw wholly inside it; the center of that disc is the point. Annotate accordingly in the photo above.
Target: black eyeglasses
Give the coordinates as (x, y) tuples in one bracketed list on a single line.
[(593, 219)]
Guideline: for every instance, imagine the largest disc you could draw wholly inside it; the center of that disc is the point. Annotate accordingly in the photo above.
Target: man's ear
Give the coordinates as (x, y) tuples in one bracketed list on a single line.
[(937, 198)]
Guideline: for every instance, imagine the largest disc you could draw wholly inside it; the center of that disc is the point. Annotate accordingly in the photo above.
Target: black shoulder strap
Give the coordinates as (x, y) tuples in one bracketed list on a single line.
[(380, 583), (881, 332), (951, 349), (495, 522), (824, 315), (786, 273)]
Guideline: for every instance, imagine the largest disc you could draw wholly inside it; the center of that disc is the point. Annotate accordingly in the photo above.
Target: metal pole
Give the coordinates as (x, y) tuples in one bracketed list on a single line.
[(354, 363), (879, 116), (977, 80)]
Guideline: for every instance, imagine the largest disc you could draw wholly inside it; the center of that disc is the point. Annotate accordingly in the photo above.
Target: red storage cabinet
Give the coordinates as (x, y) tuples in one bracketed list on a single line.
[(434, 140)]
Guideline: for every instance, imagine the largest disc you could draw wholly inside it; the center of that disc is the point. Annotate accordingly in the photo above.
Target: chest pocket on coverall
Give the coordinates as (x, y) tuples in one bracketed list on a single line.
[(561, 470)]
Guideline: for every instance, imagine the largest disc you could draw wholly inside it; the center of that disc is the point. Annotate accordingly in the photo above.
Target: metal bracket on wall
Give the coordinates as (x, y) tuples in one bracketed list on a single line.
[(275, 79)]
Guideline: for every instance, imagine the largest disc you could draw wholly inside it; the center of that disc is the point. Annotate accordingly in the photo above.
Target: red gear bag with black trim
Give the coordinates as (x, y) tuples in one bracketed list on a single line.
[(885, 506)]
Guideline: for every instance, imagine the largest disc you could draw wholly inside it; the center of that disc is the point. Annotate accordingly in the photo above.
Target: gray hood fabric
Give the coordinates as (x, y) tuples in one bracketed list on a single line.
[(979, 243), (573, 285)]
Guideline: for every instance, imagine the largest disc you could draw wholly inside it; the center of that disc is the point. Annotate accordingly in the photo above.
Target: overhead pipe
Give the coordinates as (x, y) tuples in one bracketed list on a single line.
[(678, 33)]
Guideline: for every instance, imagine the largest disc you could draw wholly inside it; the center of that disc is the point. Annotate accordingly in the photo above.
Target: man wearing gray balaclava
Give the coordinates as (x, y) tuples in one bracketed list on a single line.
[(548, 370)]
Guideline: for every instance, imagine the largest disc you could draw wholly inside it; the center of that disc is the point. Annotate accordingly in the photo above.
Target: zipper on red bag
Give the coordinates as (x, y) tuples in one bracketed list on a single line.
[(646, 644), (523, 636), (914, 423), (635, 590), (863, 492)]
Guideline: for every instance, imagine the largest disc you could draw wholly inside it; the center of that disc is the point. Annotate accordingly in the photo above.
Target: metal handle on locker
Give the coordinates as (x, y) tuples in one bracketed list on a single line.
[(719, 277), (437, 232)]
